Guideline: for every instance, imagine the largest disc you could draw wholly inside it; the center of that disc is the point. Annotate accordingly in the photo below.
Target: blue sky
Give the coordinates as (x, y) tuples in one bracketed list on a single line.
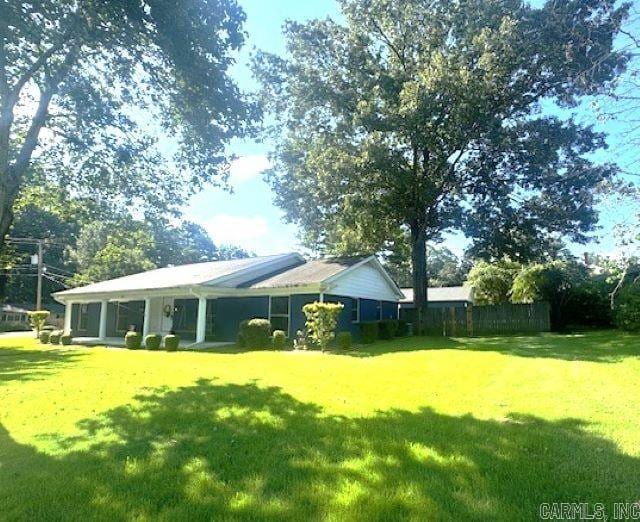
[(248, 217)]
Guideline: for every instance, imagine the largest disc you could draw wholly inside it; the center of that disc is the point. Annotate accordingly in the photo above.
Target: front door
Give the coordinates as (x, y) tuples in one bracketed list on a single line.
[(167, 314)]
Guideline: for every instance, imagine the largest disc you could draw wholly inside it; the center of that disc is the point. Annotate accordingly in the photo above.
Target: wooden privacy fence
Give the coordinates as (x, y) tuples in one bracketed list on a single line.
[(487, 319)]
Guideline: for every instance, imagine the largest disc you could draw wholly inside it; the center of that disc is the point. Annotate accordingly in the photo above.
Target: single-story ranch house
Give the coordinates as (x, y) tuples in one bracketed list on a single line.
[(207, 301), (437, 297)]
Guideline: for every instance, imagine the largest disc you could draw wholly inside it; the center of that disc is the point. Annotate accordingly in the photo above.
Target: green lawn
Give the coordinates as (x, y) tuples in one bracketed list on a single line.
[(414, 428)]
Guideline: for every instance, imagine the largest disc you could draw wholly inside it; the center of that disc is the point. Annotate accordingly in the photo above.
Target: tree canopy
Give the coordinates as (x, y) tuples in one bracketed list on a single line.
[(427, 116), (80, 79)]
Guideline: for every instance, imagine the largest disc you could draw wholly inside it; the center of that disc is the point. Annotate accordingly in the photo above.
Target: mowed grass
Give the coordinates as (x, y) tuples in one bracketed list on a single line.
[(418, 428)]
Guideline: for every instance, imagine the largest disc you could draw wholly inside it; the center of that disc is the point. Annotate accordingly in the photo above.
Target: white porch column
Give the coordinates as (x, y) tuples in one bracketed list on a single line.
[(67, 317), (201, 328), (147, 317), (102, 331)]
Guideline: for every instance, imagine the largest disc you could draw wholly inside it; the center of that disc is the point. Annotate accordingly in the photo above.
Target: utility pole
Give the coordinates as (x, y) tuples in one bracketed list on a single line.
[(40, 271)]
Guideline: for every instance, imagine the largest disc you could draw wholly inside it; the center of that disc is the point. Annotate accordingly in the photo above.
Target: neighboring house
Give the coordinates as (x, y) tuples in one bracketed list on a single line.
[(207, 301), (11, 314), (441, 297)]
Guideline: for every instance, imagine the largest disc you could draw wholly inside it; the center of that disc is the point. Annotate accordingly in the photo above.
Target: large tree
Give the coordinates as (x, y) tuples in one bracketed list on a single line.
[(80, 80), (426, 116)]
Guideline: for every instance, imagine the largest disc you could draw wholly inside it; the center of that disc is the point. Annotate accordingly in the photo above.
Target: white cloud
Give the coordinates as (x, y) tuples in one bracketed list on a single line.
[(249, 232), (245, 168)]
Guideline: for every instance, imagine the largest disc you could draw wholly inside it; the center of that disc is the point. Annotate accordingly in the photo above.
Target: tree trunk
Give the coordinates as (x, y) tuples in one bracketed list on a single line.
[(419, 273)]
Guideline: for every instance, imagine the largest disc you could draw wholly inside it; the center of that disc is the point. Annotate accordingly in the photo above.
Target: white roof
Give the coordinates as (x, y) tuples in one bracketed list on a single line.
[(176, 276), (442, 294)]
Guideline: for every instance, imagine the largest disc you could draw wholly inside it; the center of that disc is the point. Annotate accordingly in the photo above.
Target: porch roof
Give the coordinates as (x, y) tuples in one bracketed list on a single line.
[(178, 276)]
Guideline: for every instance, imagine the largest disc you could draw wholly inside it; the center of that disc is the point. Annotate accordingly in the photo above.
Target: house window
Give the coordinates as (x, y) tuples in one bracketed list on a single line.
[(355, 310), (83, 317), (279, 313), (122, 318), (185, 315)]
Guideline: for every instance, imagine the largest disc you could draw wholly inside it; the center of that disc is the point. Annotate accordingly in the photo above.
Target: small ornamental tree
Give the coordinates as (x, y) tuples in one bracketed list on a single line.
[(37, 320), (322, 320)]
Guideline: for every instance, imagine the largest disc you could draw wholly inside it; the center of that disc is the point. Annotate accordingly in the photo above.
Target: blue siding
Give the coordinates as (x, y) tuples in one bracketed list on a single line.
[(369, 310), (344, 320), (389, 310), (298, 319), (231, 311)]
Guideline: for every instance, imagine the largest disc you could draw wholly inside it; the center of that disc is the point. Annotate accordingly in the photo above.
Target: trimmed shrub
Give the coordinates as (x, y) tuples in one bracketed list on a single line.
[(387, 329), (279, 339), (171, 342), (133, 340), (322, 320), (66, 339), (403, 328), (37, 319), (54, 337), (344, 340), (255, 334), (152, 341), (627, 311), (369, 332), (44, 336)]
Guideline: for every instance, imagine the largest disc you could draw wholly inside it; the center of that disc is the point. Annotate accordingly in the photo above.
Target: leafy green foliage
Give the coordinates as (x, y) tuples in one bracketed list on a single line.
[(344, 340), (54, 337), (369, 331), (152, 341), (388, 329), (279, 339), (553, 282), (321, 323), (171, 342), (444, 268), (492, 282), (627, 311), (403, 328), (37, 319), (255, 334), (65, 339), (133, 340), (414, 117), (44, 336), (95, 65)]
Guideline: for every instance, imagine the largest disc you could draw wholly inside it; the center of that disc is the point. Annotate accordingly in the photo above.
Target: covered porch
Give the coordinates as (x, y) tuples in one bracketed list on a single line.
[(190, 317), (118, 342)]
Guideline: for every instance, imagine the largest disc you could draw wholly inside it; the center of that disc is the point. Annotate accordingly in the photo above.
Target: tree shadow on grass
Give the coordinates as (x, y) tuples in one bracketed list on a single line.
[(599, 346), (233, 451), (19, 364)]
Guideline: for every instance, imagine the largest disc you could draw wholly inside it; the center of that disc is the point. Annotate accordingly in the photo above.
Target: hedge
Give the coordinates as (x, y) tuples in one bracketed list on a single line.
[(369, 332), (388, 328), (132, 340), (344, 340), (255, 334), (152, 341), (171, 342), (44, 336), (54, 337)]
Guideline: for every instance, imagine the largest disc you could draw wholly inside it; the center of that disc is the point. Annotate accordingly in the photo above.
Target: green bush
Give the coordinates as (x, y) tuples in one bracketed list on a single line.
[(322, 320), (152, 341), (255, 334), (37, 319), (279, 339), (344, 340), (54, 337), (369, 332), (132, 340), (44, 336), (627, 311), (403, 328), (388, 329), (66, 339), (171, 342)]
